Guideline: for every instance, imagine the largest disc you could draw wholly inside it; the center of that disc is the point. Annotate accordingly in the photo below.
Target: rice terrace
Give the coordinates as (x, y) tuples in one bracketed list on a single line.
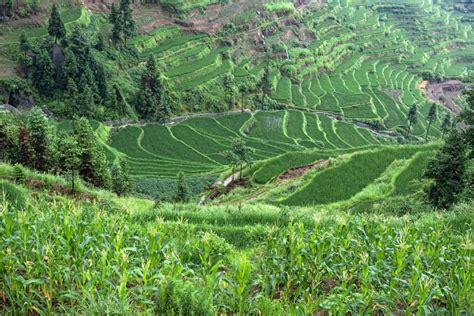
[(236, 157)]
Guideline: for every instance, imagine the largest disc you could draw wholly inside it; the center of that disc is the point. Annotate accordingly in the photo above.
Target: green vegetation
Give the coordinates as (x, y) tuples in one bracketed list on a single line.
[(205, 157), (375, 264)]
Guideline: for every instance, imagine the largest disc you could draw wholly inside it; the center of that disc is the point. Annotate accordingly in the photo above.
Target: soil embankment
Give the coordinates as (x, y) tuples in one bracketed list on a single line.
[(444, 92)]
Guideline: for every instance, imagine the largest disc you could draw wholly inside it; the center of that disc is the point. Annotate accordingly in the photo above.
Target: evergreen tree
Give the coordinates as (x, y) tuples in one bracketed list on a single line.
[(25, 59), (230, 91), (24, 44), (69, 157), (86, 102), (182, 189), (113, 14), (80, 47), (446, 124), (9, 8), (40, 139), (117, 31), (56, 27), (34, 5), (70, 68), (73, 97), (43, 72), (101, 80), (412, 118), (121, 183), (93, 166), (431, 118), (447, 172), (265, 86), (23, 153), (467, 116), (129, 27), (150, 99)]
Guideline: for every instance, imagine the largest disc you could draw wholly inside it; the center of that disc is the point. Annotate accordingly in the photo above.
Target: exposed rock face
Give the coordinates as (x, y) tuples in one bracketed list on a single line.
[(21, 99), (57, 57)]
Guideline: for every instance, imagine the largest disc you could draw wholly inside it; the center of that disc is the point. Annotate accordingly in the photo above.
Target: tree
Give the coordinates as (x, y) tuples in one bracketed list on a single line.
[(9, 7), (182, 189), (40, 138), (265, 86), (412, 118), (93, 166), (25, 58), (72, 96), (34, 5), (86, 102), (69, 157), (150, 100), (129, 27), (56, 27), (239, 155), (43, 72), (230, 91), (121, 183), (113, 14), (467, 116), (447, 172), (233, 160), (24, 44), (446, 124), (431, 117)]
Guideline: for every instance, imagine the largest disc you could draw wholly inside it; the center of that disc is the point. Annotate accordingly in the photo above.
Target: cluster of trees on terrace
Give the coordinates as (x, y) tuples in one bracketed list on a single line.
[(30, 140)]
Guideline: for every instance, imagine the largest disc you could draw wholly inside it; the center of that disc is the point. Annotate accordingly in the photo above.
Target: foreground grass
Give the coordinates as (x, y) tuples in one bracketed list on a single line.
[(64, 256)]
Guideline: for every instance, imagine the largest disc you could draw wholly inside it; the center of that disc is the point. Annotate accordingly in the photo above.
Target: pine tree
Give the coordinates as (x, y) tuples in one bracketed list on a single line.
[(25, 59), (86, 102), (9, 8), (121, 183), (40, 138), (129, 27), (73, 97), (447, 171), (24, 44), (93, 166), (467, 116), (43, 72), (446, 124), (113, 14), (70, 68), (34, 5), (117, 31), (266, 86), (230, 91), (431, 117), (150, 99), (412, 118), (24, 153), (182, 189), (56, 27), (69, 157)]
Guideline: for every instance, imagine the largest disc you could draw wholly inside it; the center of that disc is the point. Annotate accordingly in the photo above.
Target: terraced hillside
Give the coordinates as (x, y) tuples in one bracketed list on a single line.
[(362, 62), (195, 146)]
